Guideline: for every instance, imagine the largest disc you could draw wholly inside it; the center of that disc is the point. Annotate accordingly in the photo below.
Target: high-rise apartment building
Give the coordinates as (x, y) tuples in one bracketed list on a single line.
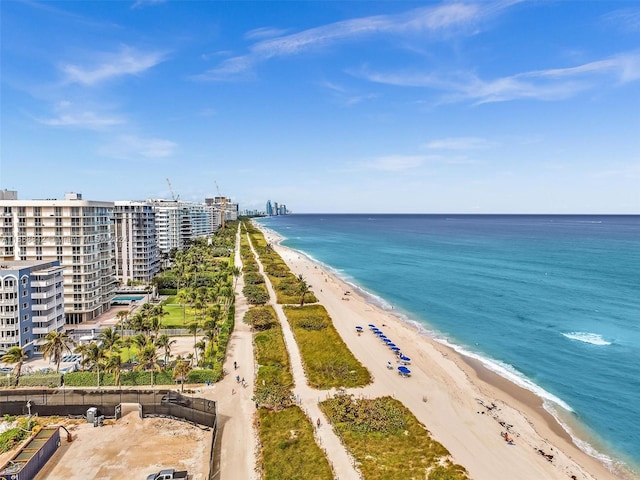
[(223, 204), (137, 256), (75, 232), (269, 208), (31, 303), (178, 223)]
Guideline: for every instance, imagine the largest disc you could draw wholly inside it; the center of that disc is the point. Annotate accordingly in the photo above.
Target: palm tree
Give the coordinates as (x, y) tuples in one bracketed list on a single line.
[(122, 317), (235, 271), (83, 350), (303, 288), (126, 343), (110, 339), (18, 356), (180, 371), (202, 346), (194, 328), (148, 359), (56, 343), (113, 365), (163, 341)]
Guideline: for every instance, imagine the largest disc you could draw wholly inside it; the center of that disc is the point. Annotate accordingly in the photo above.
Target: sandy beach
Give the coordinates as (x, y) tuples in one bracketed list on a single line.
[(467, 407)]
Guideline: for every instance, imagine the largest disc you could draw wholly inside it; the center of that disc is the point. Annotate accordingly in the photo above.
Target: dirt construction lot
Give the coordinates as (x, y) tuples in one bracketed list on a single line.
[(129, 448)]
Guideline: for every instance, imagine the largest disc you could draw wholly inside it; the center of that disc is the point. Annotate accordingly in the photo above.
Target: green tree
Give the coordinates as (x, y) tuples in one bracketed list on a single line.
[(180, 371), (17, 356), (194, 328), (56, 343), (82, 350), (303, 288), (114, 365), (148, 359), (110, 339), (165, 342)]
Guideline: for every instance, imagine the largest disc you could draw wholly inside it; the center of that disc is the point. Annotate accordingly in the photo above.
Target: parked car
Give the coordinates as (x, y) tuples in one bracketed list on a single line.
[(176, 399), (168, 474)]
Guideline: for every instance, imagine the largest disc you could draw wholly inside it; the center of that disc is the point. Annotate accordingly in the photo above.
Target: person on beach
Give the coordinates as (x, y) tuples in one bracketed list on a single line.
[(318, 423)]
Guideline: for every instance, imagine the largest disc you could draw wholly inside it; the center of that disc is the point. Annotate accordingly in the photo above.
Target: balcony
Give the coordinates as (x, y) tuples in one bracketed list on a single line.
[(47, 294), (43, 283), (41, 307), (44, 318)]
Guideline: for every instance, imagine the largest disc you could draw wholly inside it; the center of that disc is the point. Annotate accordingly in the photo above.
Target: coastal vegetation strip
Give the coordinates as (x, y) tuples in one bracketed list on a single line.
[(274, 378), (289, 288), (288, 446), (387, 440), (327, 360)]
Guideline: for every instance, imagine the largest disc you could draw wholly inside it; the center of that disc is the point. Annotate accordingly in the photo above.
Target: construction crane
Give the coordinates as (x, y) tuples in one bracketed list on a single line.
[(223, 203), (175, 199)]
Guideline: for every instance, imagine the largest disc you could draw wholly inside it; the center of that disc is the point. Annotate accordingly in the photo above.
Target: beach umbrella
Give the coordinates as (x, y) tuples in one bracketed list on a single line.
[(391, 345), (404, 371), (358, 327), (404, 359), (387, 340), (372, 326), (376, 331), (381, 335), (395, 349)]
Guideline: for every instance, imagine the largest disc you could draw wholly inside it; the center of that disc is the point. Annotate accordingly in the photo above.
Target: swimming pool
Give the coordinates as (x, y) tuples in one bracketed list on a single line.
[(127, 298)]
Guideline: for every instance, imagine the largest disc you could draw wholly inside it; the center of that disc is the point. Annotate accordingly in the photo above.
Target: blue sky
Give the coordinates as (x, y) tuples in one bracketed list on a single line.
[(395, 106)]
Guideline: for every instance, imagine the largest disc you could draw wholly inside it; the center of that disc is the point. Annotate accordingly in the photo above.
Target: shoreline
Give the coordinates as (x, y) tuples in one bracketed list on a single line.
[(544, 432)]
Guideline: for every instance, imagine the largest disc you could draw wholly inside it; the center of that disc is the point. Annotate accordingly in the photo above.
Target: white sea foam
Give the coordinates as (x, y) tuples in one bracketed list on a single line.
[(611, 464), (509, 372), (586, 337)]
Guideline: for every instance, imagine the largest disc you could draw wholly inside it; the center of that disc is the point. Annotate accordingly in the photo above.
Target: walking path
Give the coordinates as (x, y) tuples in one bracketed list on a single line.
[(308, 398), (237, 442)]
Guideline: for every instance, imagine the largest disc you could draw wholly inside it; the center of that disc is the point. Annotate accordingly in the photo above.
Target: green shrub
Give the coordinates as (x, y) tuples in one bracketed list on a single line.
[(256, 294), (261, 318), (201, 376), (252, 278), (387, 440)]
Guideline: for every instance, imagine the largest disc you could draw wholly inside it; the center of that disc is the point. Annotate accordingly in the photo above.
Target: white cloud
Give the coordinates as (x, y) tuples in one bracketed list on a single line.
[(68, 115), (550, 84), (264, 32), (133, 147), (395, 163), (127, 61), (438, 19), (627, 19)]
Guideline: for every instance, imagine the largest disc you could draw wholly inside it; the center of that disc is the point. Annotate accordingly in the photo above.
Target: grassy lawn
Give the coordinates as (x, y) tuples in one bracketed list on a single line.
[(388, 442), (327, 360), (176, 316), (289, 450)]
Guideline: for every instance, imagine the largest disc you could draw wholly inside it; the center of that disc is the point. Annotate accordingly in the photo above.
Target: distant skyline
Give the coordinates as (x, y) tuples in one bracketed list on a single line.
[(330, 107)]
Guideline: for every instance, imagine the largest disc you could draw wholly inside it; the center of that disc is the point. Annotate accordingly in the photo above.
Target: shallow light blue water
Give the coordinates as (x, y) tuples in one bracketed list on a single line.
[(553, 300)]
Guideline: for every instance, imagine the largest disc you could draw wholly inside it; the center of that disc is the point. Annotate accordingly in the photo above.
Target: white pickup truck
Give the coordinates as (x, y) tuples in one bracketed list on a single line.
[(169, 474)]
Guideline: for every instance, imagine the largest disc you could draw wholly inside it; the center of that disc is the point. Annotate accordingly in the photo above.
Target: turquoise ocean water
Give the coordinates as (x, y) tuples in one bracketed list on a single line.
[(551, 302)]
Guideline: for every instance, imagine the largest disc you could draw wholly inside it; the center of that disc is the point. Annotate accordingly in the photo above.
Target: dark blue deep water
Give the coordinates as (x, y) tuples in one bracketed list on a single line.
[(552, 302)]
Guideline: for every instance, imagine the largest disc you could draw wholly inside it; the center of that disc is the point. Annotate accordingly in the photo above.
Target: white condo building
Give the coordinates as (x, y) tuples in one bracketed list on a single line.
[(137, 256), (178, 223), (31, 303), (75, 232)]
